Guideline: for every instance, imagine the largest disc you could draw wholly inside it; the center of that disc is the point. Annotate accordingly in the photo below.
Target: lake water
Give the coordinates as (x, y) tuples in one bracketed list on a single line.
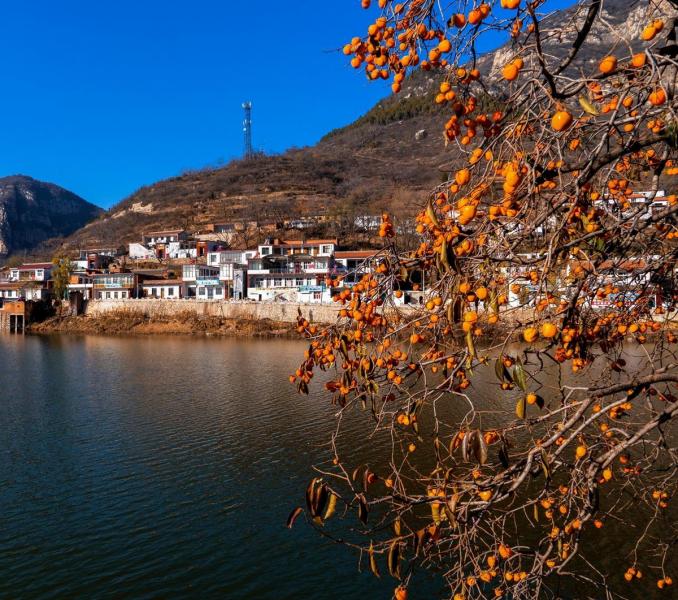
[(161, 468), (165, 468)]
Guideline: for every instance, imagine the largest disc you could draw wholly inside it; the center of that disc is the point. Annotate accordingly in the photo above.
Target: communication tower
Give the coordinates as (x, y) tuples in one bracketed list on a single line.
[(247, 129)]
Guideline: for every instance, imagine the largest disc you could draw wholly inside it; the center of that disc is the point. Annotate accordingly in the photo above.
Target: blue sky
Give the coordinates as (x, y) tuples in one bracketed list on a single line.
[(103, 97)]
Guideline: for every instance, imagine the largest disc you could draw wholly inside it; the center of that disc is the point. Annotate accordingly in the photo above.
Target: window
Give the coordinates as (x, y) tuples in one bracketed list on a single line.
[(123, 294), (218, 291), (317, 295), (201, 291), (170, 291), (108, 295), (326, 249), (265, 250), (115, 295), (298, 282), (277, 283)]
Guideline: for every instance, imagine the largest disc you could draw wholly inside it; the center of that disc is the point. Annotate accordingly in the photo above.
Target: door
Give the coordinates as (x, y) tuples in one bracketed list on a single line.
[(210, 293)]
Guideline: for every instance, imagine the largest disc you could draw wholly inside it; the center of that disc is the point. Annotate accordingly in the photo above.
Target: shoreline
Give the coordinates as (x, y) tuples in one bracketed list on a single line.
[(177, 325)]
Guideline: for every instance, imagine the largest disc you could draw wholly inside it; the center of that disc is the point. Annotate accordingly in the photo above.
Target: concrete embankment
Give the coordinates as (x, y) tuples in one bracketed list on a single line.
[(188, 317), (283, 312)]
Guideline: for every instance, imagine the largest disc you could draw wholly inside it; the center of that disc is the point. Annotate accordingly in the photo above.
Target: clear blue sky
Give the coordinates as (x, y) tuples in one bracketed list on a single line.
[(103, 97)]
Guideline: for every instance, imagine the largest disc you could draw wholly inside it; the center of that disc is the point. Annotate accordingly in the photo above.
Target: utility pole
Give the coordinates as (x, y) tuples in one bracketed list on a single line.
[(247, 129)]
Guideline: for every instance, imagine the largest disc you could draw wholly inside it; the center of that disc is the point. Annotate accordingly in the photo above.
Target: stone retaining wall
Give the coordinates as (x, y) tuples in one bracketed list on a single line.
[(285, 312)]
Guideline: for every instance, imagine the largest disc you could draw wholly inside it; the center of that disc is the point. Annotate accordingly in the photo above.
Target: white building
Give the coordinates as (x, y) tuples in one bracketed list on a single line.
[(223, 257), (203, 282), (31, 272), (140, 252), (170, 289)]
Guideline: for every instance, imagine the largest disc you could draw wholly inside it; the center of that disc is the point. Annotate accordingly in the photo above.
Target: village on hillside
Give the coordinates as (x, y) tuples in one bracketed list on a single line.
[(178, 265)]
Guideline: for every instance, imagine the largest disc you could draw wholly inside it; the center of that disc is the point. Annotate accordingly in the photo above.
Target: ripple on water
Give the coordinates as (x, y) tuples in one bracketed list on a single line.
[(162, 468)]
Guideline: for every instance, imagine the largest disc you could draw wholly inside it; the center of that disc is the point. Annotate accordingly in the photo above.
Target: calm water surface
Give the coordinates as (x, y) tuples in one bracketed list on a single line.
[(166, 467), (161, 468)]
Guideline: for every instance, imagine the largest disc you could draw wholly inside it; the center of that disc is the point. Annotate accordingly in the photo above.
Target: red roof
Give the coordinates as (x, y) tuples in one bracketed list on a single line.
[(356, 253), (300, 242), (34, 266)]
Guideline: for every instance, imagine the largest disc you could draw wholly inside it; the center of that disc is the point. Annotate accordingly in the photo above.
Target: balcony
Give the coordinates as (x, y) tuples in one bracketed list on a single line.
[(296, 269)]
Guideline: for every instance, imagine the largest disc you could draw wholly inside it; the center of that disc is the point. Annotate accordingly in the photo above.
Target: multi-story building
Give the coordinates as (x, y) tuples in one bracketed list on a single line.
[(353, 264), (83, 282), (31, 272), (291, 270), (96, 258), (203, 283), (277, 247), (33, 279), (223, 257), (172, 243), (118, 286), (170, 236)]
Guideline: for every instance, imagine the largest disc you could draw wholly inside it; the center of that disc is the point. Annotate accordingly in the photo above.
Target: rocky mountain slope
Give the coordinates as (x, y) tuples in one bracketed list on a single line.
[(33, 211), (388, 158)]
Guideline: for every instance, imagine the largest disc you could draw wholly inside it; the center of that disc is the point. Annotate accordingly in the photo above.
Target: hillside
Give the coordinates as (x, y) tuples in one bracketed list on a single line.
[(377, 162), (33, 211), (362, 169)]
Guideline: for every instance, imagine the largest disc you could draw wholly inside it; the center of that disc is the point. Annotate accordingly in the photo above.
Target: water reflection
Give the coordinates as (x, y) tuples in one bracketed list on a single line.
[(165, 468)]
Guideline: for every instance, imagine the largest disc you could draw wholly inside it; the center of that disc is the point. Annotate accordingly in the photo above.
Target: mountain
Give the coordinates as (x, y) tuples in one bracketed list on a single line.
[(33, 211), (387, 159)]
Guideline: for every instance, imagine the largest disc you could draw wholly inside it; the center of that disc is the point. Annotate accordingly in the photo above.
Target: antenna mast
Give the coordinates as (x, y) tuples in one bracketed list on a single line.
[(247, 129)]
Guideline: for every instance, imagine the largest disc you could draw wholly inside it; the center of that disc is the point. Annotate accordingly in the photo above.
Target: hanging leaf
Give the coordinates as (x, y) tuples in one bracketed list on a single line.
[(310, 493), (465, 444), (319, 499), (469, 344), (500, 370), (394, 559), (521, 406), (536, 512), (419, 540), (480, 448), (444, 260), (585, 103), (451, 508), (431, 214), (373, 562), (456, 441), (397, 527), (362, 509), (494, 302), (520, 377), (503, 456), (331, 506), (293, 516), (545, 464)]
